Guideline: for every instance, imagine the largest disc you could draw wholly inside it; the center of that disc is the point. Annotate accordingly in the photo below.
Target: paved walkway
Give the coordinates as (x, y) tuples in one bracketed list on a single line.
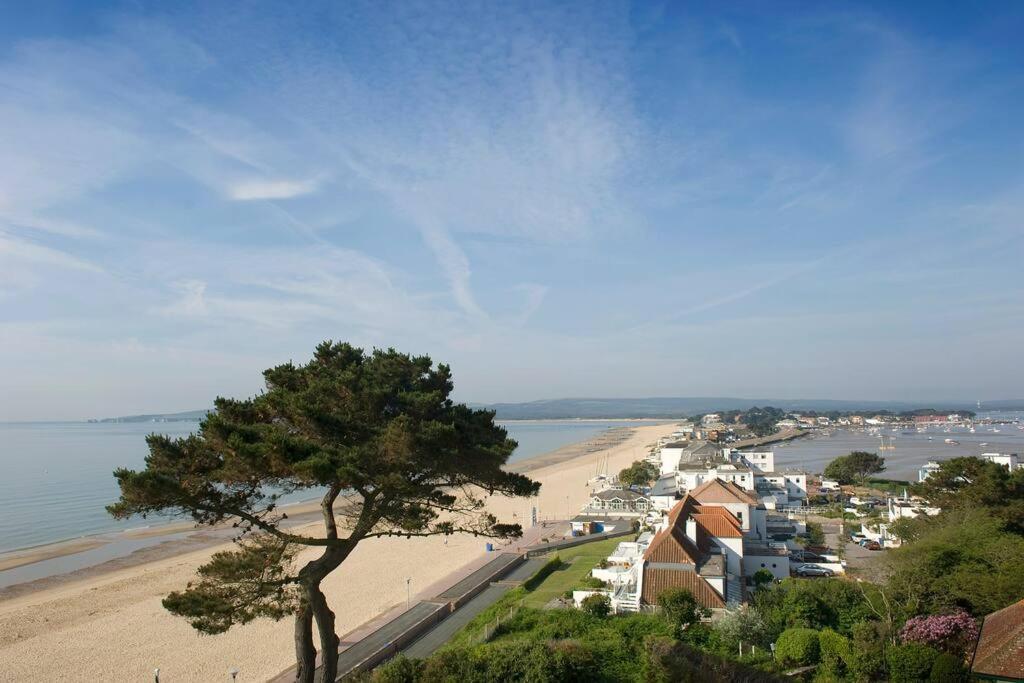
[(380, 639), (432, 640), (436, 637)]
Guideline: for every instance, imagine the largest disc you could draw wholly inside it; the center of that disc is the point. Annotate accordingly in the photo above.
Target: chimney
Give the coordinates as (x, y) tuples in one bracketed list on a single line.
[(691, 529)]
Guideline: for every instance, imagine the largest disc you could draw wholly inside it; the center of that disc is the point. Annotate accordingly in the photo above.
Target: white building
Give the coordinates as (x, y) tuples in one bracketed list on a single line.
[(910, 508), (685, 452), (762, 461), (927, 470), (1010, 461)]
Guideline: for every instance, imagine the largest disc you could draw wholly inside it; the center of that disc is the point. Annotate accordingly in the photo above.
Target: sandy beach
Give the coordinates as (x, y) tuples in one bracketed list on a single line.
[(108, 624)]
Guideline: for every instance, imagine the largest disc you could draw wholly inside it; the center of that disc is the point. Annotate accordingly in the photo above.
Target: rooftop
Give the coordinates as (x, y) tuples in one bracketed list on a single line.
[(718, 491), (1000, 650), (620, 494)]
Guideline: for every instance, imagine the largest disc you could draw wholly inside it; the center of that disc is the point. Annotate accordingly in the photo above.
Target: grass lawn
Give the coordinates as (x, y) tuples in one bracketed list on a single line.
[(579, 560)]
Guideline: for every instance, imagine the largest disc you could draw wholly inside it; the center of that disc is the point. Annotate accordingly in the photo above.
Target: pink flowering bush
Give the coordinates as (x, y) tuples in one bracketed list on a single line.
[(950, 632)]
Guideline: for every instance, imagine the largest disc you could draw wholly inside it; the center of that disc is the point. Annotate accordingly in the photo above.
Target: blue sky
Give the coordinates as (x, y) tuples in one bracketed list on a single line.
[(578, 199)]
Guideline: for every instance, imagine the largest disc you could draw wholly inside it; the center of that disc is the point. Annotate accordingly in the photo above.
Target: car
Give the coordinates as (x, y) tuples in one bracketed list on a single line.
[(807, 570), (857, 538), (873, 545), (806, 556)]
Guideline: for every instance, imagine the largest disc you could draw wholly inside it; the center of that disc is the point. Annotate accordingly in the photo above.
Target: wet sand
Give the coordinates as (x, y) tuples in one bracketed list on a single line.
[(107, 623)]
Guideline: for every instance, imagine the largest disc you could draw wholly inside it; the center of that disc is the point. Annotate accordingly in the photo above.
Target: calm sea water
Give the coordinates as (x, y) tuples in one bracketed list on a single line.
[(58, 476), (911, 450)]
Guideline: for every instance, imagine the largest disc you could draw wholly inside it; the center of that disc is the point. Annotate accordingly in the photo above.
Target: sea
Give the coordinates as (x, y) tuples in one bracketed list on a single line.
[(58, 476), (910, 448)]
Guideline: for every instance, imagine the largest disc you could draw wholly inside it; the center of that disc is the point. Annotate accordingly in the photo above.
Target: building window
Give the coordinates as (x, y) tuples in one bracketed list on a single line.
[(762, 564)]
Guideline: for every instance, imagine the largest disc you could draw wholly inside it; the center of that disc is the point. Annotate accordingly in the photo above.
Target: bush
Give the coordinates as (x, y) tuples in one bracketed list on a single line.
[(798, 646), (401, 669), (551, 565), (762, 578), (835, 652), (910, 663), (668, 661), (680, 607), (597, 605), (948, 668), (742, 626), (591, 582), (953, 633), (571, 661), (867, 652)]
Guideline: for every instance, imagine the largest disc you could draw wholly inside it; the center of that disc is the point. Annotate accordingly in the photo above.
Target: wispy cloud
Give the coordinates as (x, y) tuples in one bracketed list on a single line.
[(247, 190)]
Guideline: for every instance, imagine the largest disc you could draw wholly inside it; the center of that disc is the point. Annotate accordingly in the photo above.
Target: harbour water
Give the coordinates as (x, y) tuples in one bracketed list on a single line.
[(58, 476), (911, 448)]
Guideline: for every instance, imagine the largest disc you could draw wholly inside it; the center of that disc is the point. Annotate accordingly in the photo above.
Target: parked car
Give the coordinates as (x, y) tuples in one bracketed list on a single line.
[(873, 545), (806, 556), (807, 570), (857, 538)]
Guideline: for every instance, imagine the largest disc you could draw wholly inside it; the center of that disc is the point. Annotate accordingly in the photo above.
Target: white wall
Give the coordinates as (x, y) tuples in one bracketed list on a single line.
[(670, 459), (778, 565), (733, 550)]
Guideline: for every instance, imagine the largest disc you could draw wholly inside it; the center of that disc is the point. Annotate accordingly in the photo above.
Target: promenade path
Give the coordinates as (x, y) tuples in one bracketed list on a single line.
[(433, 639)]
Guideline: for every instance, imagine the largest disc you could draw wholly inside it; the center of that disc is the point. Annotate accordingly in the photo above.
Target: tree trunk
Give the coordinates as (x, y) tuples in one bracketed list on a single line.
[(305, 653), (328, 638)]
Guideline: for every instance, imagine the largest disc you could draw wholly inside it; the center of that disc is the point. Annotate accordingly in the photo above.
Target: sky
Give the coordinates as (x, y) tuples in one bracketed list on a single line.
[(582, 199)]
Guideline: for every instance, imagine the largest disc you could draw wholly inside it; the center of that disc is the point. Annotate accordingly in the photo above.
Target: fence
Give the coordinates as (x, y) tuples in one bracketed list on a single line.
[(491, 628)]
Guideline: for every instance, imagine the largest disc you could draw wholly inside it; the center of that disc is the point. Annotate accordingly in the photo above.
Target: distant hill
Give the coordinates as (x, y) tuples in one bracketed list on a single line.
[(679, 406), (187, 416), (660, 407)]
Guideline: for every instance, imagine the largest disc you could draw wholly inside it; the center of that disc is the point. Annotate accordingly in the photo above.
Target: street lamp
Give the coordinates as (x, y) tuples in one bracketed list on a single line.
[(156, 675), (408, 592)]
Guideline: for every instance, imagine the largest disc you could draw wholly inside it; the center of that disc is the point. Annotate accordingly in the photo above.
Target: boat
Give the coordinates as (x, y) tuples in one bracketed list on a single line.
[(952, 443)]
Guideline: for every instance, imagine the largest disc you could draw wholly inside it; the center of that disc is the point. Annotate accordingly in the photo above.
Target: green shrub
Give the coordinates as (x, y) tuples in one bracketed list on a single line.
[(910, 663), (668, 661), (401, 669), (591, 582), (835, 652), (571, 661), (680, 607), (449, 664), (948, 668), (798, 646), (597, 605), (551, 565), (867, 652)]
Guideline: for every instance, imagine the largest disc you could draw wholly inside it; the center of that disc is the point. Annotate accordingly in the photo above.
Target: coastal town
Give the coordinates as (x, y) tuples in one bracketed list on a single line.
[(719, 527), (613, 341)]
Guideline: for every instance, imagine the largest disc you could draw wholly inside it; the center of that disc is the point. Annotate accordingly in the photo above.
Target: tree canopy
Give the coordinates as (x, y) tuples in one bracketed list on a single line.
[(972, 483), (374, 434), (855, 467), (640, 473)]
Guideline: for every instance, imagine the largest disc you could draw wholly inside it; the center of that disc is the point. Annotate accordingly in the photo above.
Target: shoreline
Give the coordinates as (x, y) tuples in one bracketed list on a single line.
[(113, 626), (204, 537)]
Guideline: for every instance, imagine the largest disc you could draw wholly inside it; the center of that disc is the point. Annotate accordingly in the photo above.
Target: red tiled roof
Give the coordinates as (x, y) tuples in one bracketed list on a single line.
[(719, 510), (658, 580), (718, 526), (718, 491), (1000, 650)]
